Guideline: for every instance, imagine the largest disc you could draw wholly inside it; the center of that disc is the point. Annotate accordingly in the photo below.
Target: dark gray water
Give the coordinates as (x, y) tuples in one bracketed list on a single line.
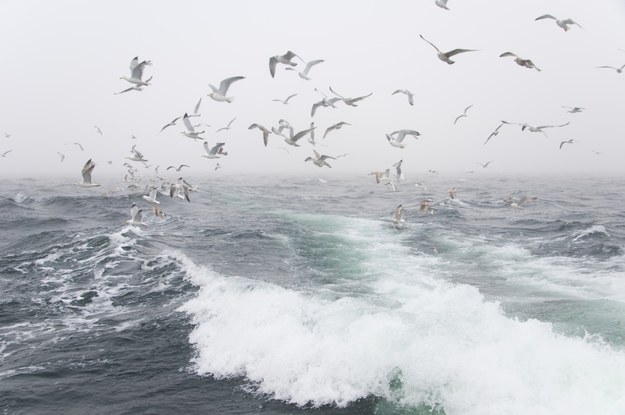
[(281, 297)]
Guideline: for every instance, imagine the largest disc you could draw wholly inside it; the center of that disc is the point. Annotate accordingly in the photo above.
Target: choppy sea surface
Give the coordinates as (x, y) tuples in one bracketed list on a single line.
[(297, 296)]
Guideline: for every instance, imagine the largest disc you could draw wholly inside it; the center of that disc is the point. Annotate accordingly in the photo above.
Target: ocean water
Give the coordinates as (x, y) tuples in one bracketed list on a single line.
[(275, 296)]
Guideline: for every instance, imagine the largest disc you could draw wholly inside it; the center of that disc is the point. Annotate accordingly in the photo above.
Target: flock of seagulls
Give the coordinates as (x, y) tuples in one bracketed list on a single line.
[(293, 137)]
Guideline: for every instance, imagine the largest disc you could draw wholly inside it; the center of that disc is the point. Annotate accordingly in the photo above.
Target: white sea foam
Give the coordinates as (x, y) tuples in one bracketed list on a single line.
[(442, 342)]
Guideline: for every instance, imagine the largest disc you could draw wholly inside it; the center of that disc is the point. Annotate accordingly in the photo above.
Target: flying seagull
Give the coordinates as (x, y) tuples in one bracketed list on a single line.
[(618, 70), (464, 114), (564, 24), (196, 109), (494, 133), (180, 167), (574, 110), (171, 123), (136, 155), (5, 153), (98, 130), (398, 216), (401, 134), (526, 63), (265, 131), (350, 101), (152, 196), (61, 156), (484, 165), (136, 72), (191, 133), (409, 94), (136, 215), (86, 174), (319, 160), (293, 139), (220, 94), (285, 101), (79, 146), (446, 56), (571, 141), (336, 126), (227, 127), (283, 59), (215, 152), (304, 74)]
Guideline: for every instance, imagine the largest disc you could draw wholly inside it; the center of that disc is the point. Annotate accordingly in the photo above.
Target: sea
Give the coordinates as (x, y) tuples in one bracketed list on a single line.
[(300, 295)]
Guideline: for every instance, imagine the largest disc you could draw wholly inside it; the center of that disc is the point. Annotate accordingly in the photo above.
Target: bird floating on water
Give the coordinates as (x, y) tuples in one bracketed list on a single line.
[(215, 152)]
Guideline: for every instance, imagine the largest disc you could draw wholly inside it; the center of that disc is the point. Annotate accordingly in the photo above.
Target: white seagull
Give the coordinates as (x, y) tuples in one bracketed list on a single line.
[(136, 155), (283, 59), (98, 130), (574, 110), (446, 56), (228, 126), (191, 133), (293, 139), (265, 131), (464, 114), (180, 189), (442, 4), (564, 23), (398, 216), (409, 94), (152, 196), (336, 126), (215, 152), (196, 109), (304, 74), (319, 160), (526, 63), (571, 141), (350, 101), (284, 101), (5, 153), (61, 156), (484, 165), (220, 94), (494, 133), (401, 134), (180, 167), (136, 72), (136, 216), (618, 70), (86, 174), (171, 123)]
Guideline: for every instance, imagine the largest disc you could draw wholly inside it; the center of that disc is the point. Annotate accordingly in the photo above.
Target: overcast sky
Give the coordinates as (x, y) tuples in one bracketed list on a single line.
[(62, 61)]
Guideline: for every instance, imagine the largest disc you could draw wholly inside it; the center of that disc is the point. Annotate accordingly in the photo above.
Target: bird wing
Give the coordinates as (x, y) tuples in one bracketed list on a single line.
[(187, 123), (137, 71), (569, 21), (231, 121), (503, 55), (311, 64), (171, 123), (225, 84), (458, 117), (86, 171), (553, 126), (133, 64), (332, 127), (302, 134), (197, 106), (288, 98), (272, 66), (289, 55), (545, 16), (207, 148), (434, 46), (79, 146), (457, 51), (133, 212)]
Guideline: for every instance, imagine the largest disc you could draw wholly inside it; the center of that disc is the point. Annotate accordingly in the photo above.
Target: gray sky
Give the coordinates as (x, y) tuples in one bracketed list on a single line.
[(62, 61)]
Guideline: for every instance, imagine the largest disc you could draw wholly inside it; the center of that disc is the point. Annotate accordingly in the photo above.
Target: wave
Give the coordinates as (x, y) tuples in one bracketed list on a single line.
[(413, 339)]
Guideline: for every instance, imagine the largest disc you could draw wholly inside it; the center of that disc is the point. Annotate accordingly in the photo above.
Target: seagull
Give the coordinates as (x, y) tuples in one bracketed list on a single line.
[(79, 146), (177, 168), (285, 101), (220, 94), (61, 156), (446, 57), (564, 24), (217, 166), (171, 123), (191, 133), (319, 160), (409, 94), (494, 133), (99, 131), (398, 215), (196, 109), (452, 193), (324, 103), (304, 73), (442, 4), (311, 137), (398, 173), (152, 196), (180, 189), (5, 153), (283, 59), (539, 128), (350, 101), (526, 63), (215, 152), (401, 134), (136, 155), (265, 131), (574, 110), (227, 127), (158, 212), (86, 174), (336, 126), (381, 175), (464, 114), (294, 138), (136, 72), (484, 165), (426, 206), (136, 215), (571, 141), (7, 135), (618, 70)]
